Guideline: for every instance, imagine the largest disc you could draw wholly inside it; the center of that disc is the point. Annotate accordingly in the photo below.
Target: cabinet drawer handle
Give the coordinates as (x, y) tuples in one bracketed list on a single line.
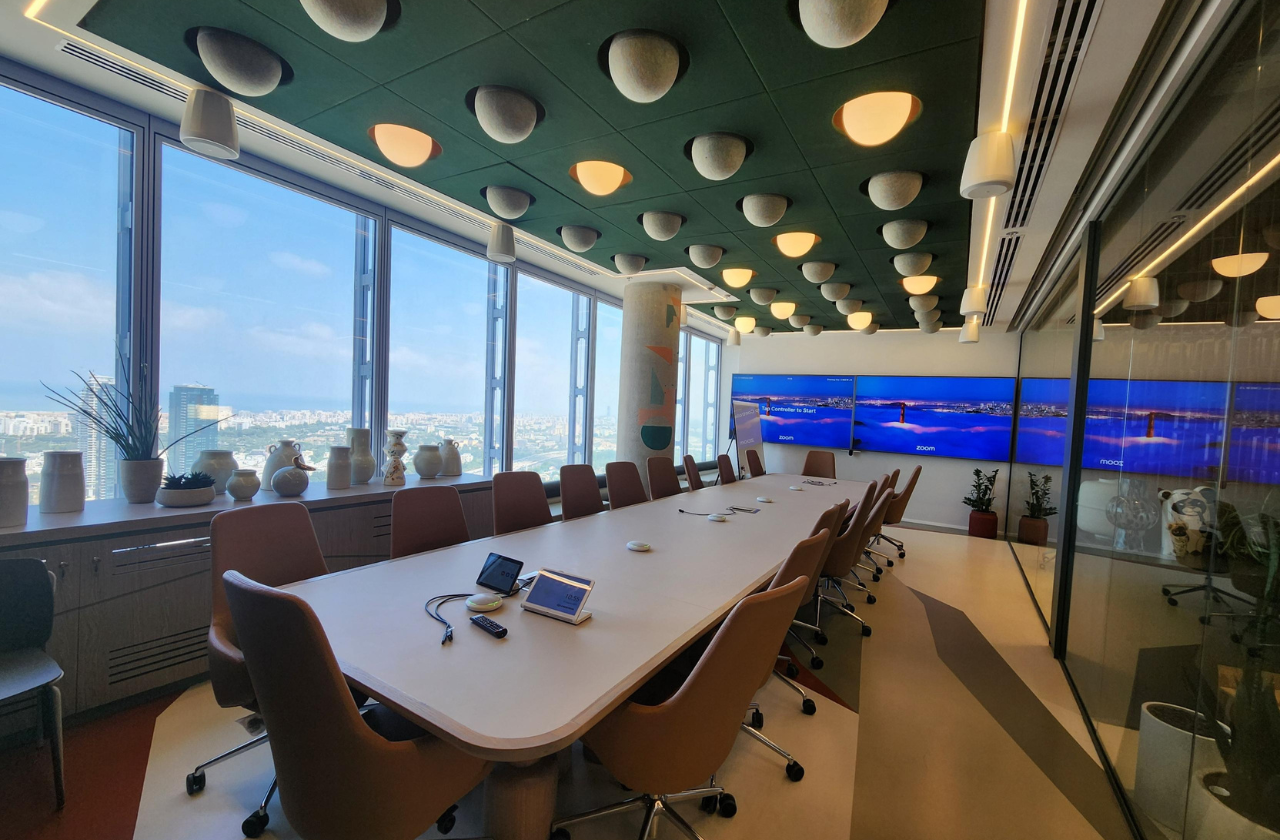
[(96, 562), (62, 568)]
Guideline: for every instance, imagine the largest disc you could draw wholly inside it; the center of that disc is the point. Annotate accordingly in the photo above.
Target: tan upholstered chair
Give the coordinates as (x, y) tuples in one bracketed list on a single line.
[(579, 491), (519, 502), (897, 509), (754, 465), (841, 561), (663, 480), (691, 474), (874, 521), (819, 464), (275, 544), (668, 751), (340, 775), (728, 475), (829, 521), (622, 478), (426, 518)]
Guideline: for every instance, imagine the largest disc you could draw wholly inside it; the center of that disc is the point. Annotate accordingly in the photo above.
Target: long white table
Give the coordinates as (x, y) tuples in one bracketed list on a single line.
[(535, 692)]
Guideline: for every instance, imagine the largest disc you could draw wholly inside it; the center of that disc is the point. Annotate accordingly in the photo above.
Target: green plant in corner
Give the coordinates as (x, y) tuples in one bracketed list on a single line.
[(187, 481), (982, 495), (1038, 506)]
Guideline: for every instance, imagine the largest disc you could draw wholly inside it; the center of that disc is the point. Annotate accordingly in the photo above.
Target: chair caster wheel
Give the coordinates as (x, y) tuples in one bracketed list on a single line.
[(708, 804), (809, 707), (794, 771), (1173, 602), (793, 670), (447, 820), (902, 554), (1164, 590), (255, 824), (195, 783), (563, 833), (866, 631), (757, 719), (728, 805), (820, 638), (816, 663), (875, 578), (888, 562), (871, 599)]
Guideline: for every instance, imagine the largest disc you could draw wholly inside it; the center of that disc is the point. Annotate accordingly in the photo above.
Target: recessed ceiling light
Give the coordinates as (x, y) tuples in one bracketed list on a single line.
[(404, 146), (782, 309), (1240, 265), (797, 243), (920, 284), (744, 323), (599, 177), (860, 320), (876, 118), (737, 278)]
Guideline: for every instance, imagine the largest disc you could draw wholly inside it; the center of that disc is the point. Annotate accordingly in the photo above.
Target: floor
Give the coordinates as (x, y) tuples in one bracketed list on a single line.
[(953, 714)]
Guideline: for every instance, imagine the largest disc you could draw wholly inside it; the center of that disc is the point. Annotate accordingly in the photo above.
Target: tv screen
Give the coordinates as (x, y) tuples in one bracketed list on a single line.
[(950, 417), (1042, 422), (1255, 433), (806, 410), (1155, 426)]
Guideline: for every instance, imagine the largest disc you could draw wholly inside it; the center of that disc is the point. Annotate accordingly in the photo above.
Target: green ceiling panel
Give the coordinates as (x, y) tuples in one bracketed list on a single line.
[(941, 166), (423, 33), (552, 167), (466, 187), (441, 89), (612, 240), (508, 13), (568, 41), (833, 247), (808, 202), (697, 221), (947, 223)]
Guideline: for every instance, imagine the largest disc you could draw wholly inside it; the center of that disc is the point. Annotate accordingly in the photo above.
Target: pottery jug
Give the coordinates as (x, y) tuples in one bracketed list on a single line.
[(290, 481), (13, 492), (279, 456), (363, 464), (427, 463), (62, 482), (451, 458), (243, 485), (338, 471), (219, 463)]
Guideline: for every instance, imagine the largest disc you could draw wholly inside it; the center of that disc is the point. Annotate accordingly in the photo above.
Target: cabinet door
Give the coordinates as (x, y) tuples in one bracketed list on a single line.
[(122, 565), (66, 562), (353, 536)]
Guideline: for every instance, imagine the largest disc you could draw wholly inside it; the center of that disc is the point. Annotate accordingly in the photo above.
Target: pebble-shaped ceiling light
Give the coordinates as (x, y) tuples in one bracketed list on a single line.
[(507, 202), (629, 263), (505, 114), (922, 303), (643, 64), (725, 313), (894, 190), (764, 209), (928, 317), (848, 306), (799, 321), (904, 233), (913, 263), (931, 327), (579, 238), (718, 156), (763, 297), (817, 272), (870, 329), (835, 291), (860, 320), (705, 256), (599, 177), (812, 329), (876, 118), (839, 23), (1198, 291), (763, 332), (919, 284), (240, 64), (1172, 308), (348, 20), (1144, 319), (796, 243), (661, 225), (404, 146), (1240, 319), (736, 278)]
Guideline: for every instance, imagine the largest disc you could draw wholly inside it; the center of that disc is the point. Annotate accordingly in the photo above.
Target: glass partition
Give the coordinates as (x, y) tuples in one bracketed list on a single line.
[(544, 359), (606, 369)]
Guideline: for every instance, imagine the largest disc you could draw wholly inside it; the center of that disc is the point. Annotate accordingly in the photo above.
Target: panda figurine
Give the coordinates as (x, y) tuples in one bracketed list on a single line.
[(1194, 510)]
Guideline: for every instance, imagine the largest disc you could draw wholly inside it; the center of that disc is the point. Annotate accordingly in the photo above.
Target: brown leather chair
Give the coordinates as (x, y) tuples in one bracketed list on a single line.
[(622, 478), (579, 491), (754, 464), (728, 475), (519, 502), (277, 545), (898, 509), (819, 464), (340, 775), (691, 474), (426, 518), (829, 521), (677, 745), (663, 480)]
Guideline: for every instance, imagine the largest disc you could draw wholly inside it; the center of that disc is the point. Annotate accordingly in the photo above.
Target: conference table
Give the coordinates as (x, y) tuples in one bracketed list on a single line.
[(521, 699)]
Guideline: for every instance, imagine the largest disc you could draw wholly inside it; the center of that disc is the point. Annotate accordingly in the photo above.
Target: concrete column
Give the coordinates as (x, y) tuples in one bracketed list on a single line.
[(647, 381)]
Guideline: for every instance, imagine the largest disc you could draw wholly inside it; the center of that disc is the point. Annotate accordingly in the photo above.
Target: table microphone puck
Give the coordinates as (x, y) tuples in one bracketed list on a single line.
[(717, 517), (795, 487), (484, 602), (636, 545), (764, 500)]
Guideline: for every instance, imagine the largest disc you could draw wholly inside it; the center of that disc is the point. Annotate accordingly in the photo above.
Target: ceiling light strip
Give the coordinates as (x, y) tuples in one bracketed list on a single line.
[(1115, 296), (1013, 64)]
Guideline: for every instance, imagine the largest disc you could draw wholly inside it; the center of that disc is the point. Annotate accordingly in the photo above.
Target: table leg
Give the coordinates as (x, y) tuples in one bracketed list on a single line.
[(520, 800)]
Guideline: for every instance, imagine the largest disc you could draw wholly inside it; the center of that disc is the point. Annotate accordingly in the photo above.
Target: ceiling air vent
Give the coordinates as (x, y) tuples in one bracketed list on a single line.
[(1005, 255), (1257, 136), (1154, 239), (547, 253), (122, 70)]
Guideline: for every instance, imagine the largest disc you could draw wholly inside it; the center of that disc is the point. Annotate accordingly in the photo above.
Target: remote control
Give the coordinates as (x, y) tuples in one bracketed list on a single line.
[(489, 626)]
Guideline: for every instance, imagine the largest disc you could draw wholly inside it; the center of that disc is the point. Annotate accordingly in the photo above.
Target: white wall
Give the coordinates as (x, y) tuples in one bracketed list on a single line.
[(944, 481)]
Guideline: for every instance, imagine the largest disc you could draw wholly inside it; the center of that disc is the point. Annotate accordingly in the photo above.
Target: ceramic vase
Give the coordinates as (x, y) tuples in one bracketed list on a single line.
[(338, 472), (140, 479), (219, 463), (450, 457), (185, 498), (984, 524), (279, 456), (363, 464), (393, 472), (62, 482), (13, 492), (1167, 747), (1033, 530), (243, 485), (290, 481), (427, 463)]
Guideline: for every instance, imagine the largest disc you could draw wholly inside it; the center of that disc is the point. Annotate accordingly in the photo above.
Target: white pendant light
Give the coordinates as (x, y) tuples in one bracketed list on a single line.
[(930, 316), (974, 301), (782, 309), (904, 233), (507, 202), (724, 313), (629, 263), (1172, 308), (912, 264), (876, 118), (817, 272), (796, 243), (1198, 291), (505, 114), (860, 320), (988, 166), (919, 284), (348, 20), (812, 329), (764, 209), (799, 321), (922, 303), (1240, 319), (1143, 293), (718, 156), (763, 332), (744, 323), (848, 306), (736, 278), (502, 243), (578, 238), (931, 327), (836, 24), (405, 147), (835, 291), (1240, 265), (1269, 307), (1144, 319), (599, 177), (705, 256), (661, 225), (763, 297), (240, 64), (643, 64), (894, 190), (1099, 331), (209, 125), (870, 329), (971, 332), (735, 338)]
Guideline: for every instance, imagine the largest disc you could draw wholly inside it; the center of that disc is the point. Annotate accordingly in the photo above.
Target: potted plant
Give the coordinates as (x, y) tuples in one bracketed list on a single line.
[(132, 424), (983, 521), (186, 490), (1033, 529)]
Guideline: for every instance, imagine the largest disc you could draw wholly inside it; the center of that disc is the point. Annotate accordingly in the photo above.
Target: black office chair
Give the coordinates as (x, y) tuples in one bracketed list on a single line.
[(26, 622)]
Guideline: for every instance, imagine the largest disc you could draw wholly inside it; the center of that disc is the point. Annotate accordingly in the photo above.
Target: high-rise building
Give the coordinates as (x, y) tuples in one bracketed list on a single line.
[(99, 451), (190, 408)]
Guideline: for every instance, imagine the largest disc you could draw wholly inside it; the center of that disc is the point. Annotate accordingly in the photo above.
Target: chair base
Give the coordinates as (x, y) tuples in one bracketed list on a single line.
[(1173, 591), (795, 772), (655, 807), (196, 779)]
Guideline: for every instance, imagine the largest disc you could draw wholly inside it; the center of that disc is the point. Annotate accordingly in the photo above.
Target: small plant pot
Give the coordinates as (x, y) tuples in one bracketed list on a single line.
[(1170, 740), (1033, 530), (185, 498), (984, 524), (141, 479), (1210, 817)]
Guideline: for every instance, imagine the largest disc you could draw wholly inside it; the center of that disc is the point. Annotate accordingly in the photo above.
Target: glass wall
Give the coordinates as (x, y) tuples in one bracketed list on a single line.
[(544, 327), (608, 366), (700, 403)]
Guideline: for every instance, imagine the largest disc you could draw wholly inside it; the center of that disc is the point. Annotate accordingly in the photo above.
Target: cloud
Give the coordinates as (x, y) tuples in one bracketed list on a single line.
[(62, 300), (311, 340), (20, 223), (181, 316), (224, 215), (303, 265)]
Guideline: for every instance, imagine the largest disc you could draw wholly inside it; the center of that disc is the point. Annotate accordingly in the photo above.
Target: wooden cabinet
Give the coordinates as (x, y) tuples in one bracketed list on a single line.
[(125, 565), (353, 536), (65, 561)]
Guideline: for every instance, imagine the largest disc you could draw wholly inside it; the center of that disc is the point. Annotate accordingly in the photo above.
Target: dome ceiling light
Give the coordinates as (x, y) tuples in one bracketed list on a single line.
[(930, 316), (661, 225), (904, 233), (744, 323), (1198, 291), (578, 238), (817, 272), (718, 155), (1239, 265), (209, 125), (764, 209), (782, 309), (876, 118), (848, 306), (919, 284), (860, 320), (405, 147), (502, 243), (348, 20), (911, 264), (643, 64), (1144, 319), (737, 278), (836, 24), (629, 263), (1269, 307), (1172, 308), (835, 291), (1143, 293), (599, 177), (799, 321), (238, 63), (894, 190), (507, 202), (704, 256), (922, 303), (763, 297), (813, 329), (724, 313), (505, 114), (763, 332), (870, 329), (931, 327), (1240, 319), (797, 243)]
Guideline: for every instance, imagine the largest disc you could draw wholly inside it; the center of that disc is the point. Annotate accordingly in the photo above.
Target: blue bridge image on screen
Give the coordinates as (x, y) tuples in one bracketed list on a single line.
[(806, 410), (950, 417)]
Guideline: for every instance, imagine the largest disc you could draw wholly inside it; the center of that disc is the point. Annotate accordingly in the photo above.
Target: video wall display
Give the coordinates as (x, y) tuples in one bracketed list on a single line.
[(1255, 433), (1042, 422), (804, 410), (949, 417)]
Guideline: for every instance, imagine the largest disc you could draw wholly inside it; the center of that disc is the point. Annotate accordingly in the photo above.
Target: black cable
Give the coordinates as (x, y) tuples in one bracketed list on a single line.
[(695, 513), (444, 599)]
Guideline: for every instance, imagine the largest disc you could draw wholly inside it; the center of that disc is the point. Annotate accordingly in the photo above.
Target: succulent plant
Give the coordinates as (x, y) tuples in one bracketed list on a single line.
[(187, 481)]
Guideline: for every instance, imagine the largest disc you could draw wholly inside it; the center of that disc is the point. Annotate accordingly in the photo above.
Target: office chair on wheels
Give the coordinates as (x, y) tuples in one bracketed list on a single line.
[(897, 509), (828, 521), (844, 557), (691, 474)]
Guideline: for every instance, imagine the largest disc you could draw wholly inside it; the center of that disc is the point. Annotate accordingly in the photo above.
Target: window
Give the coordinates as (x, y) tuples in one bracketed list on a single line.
[(701, 399), (544, 333), (682, 396), (607, 367), (65, 256), (263, 315)]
